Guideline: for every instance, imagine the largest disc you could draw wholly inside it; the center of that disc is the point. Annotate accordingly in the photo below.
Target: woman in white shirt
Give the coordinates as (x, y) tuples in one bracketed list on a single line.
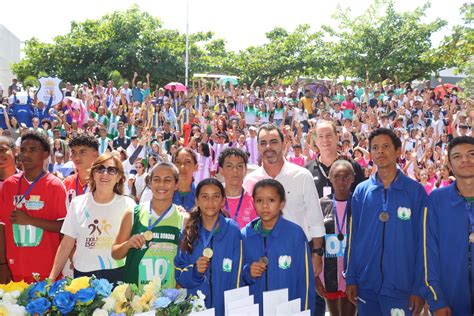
[(93, 221)]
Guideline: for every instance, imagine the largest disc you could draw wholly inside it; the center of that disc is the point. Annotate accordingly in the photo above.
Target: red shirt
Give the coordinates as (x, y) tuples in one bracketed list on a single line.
[(30, 249), (186, 132), (74, 187)]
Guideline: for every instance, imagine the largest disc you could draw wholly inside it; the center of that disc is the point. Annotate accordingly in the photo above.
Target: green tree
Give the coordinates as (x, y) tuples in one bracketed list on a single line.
[(457, 49), (122, 42), (382, 43), (285, 55)]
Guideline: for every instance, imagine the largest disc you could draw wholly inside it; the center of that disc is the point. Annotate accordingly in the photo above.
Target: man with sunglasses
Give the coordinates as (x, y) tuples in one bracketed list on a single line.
[(33, 208)]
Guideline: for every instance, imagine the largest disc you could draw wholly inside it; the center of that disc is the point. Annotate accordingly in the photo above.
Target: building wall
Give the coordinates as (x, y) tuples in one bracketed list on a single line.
[(9, 54)]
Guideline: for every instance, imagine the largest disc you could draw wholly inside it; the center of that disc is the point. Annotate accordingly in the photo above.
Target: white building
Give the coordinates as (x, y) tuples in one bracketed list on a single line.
[(9, 54)]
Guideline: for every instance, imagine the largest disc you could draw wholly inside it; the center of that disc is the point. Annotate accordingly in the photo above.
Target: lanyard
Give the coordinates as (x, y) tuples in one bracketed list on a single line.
[(470, 210), (208, 239), (385, 196), (77, 187), (238, 205), (334, 209), (29, 188), (150, 226)]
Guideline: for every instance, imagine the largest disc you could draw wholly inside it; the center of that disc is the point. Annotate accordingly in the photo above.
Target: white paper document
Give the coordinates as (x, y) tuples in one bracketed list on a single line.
[(251, 310), (234, 295), (272, 299), (289, 308), (244, 302)]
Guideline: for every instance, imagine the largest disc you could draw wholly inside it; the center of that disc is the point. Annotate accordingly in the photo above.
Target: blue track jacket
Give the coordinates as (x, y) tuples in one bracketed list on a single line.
[(386, 262), (224, 269), (445, 251), (289, 262)]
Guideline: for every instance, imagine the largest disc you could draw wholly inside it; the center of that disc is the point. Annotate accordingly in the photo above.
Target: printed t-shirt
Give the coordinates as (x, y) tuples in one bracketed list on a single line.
[(156, 257), (95, 226), (46, 200)]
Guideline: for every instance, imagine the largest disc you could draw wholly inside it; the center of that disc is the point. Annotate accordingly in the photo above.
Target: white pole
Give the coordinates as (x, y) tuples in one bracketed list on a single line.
[(187, 44)]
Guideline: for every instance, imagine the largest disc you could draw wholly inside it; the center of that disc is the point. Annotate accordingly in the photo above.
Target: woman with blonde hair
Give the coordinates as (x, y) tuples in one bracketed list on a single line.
[(93, 221)]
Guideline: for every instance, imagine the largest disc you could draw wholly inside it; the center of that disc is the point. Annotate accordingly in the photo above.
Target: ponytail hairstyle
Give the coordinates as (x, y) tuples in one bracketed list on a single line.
[(190, 232)]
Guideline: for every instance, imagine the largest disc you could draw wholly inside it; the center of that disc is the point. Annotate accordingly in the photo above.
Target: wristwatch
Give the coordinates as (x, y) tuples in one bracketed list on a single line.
[(319, 251)]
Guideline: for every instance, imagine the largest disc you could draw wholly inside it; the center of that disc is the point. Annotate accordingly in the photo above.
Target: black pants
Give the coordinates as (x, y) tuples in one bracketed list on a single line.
[(112, 275)]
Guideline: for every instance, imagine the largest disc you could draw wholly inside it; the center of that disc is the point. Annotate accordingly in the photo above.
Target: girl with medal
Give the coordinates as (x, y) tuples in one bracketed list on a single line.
[(149, 235), (331, 284), (209, 257), (276, 251)]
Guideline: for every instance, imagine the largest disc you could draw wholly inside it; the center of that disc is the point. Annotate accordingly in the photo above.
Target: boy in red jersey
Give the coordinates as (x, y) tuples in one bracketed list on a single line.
[(33, 208), (84, 150)]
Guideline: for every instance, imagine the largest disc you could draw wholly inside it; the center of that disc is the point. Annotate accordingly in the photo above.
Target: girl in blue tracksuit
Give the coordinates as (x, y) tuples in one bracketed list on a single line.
[(210, 250), (276, 251)]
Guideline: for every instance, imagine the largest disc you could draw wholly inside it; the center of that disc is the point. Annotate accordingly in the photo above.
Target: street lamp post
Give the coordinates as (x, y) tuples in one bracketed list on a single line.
[(187, 44)]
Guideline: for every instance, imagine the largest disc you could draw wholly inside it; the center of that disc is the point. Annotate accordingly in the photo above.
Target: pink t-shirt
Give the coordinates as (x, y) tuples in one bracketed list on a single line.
[(247, 209), (444, 183), (428, 187), (300, 161), (341, 206)]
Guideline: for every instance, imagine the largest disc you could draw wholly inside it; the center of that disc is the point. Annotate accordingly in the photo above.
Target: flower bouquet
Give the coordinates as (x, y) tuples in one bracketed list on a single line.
[(79, 296), (9, 294), (86, 296)]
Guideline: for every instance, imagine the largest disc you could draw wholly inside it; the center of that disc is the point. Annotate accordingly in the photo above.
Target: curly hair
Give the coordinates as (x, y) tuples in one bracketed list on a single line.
[(191, 230), (84, 140)]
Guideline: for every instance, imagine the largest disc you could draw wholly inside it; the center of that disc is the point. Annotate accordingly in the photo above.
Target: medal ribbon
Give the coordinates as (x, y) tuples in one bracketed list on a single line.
[(150, 226), (77, 187), (29, 188), (334, 209), (238, 205), (385, 196), (208, 239)]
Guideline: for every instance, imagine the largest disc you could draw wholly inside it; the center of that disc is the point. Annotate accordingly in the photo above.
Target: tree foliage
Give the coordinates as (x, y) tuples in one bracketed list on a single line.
[(457, 49), (122, 42), (383, 43)]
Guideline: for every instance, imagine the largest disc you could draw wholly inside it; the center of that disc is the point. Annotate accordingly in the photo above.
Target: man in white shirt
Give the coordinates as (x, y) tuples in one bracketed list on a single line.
[(302, 201)]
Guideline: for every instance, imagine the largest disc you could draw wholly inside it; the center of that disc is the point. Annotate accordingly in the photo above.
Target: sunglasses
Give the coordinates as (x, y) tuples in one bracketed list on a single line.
[(110, 170)]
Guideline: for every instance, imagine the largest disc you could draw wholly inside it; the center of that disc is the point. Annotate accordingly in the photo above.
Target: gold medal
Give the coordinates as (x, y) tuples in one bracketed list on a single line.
[(471, 238), (148, 235), (263, 260), (207, 252), (383, 217)]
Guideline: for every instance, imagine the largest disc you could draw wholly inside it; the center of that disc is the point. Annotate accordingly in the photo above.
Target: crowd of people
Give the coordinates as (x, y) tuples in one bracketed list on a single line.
[(356, 198)]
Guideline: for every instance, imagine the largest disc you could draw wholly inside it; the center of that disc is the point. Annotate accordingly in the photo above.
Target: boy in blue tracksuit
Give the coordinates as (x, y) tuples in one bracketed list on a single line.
[(447, 244), (382, 255), (276, 251), (218, 269)]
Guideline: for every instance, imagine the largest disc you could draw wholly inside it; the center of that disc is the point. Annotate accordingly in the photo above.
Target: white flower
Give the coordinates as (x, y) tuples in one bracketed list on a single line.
[(198, 303), (109, 304), (8, 298), (13, 309), (1, 293), (15, 294), (100, 312)]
